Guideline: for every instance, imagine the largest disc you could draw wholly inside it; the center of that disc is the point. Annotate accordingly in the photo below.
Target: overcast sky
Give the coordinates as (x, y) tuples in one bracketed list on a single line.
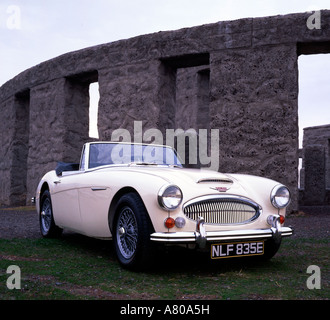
[(37, 30)]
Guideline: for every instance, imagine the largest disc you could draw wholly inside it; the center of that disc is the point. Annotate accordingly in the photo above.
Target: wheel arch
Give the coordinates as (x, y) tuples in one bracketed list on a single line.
[(115, 199), (43, 188)]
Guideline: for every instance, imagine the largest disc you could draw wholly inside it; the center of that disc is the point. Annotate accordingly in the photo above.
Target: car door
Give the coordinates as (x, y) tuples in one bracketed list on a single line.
[(94, 200), (65, 201)]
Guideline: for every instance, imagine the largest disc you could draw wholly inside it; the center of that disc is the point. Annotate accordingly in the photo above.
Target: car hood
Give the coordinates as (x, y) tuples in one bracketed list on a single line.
[(196, 182), (203, 181), (188, 178), (172, 175)]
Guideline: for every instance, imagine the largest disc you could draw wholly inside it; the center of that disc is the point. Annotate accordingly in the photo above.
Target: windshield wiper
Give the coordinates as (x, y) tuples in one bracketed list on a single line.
[(174, 166), (143, 163), (154, 164)]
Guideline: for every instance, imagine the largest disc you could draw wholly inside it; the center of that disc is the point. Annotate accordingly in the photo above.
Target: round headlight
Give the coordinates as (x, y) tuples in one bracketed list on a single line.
[(280, 196), (169, 197)]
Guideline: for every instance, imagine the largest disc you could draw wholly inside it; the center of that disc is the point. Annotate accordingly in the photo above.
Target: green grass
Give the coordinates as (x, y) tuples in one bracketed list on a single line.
[(77, 267)]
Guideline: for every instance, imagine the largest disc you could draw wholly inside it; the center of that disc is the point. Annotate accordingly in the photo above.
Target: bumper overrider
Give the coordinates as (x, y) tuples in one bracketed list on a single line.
[(201, 237)]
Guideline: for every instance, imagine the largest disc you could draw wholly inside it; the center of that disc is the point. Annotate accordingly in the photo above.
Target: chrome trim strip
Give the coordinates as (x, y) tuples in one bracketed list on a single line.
[(286, 231), (173, 236)]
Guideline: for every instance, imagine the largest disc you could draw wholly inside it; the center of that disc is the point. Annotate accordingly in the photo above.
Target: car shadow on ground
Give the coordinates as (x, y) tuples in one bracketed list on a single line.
[(166, 258)]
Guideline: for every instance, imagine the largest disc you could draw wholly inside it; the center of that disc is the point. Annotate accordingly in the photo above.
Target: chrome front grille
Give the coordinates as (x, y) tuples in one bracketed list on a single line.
[(222, 210)]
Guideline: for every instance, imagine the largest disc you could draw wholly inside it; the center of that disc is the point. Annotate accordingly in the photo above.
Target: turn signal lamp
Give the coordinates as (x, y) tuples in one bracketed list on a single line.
[(169, 223)]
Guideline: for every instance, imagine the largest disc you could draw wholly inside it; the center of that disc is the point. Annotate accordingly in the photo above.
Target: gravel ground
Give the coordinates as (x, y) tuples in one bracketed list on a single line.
[(19, 224), (23, 223)]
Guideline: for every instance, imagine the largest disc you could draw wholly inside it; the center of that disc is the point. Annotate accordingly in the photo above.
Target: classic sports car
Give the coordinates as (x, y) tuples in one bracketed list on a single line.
[(140, 195)]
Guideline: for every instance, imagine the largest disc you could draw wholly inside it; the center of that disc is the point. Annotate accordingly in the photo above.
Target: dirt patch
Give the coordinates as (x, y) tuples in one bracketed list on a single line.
[(17, 258)]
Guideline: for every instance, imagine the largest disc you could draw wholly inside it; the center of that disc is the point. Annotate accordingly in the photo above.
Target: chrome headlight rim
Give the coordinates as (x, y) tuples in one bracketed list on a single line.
[(275, 193), (162, 200)]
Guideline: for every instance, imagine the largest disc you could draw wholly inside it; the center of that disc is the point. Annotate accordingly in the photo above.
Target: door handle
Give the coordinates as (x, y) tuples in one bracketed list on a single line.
[(57, 181), (98, 188)]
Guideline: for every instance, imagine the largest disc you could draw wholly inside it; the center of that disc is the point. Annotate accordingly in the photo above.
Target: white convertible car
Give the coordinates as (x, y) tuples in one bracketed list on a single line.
[(140, 196)]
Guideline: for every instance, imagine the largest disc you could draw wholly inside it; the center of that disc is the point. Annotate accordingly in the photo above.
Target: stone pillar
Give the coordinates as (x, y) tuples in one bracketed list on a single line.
[(46, 130), (20, 149), (254, 104), (314, 193), (7, 134), (316, 150), (14, 137), (76, 115), (59, 112), (129, 93)]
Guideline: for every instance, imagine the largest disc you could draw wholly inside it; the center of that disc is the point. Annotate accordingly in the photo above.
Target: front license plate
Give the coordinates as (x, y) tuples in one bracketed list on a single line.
[(237, 249)]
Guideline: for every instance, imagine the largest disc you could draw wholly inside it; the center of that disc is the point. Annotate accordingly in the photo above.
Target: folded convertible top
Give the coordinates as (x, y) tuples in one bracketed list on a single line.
[(63, 166)]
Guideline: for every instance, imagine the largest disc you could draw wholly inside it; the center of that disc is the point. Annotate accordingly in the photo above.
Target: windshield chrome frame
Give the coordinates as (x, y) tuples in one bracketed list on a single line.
[(86, 156)]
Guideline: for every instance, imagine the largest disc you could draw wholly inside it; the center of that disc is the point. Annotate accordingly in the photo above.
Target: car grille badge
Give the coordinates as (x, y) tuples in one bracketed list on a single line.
[(220, 189)]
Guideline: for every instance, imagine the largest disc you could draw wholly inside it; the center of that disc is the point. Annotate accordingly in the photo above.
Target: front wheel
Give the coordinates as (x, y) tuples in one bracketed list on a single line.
[(131, 233), (271, 248), (46, 220)]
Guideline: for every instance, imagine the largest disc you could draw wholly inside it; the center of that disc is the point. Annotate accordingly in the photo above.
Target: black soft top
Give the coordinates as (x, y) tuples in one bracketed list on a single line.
[(63, 166)]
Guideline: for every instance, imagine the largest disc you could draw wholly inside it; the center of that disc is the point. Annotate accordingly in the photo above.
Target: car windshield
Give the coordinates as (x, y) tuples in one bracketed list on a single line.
[(101, 154)]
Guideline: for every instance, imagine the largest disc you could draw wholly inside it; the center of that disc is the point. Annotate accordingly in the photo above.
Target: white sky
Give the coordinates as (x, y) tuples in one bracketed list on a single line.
[(47, 29)]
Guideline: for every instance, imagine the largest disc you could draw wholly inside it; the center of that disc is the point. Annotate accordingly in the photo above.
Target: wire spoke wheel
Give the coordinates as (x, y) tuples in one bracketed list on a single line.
[(46, 215), (131, 233), (127, 233), (47, 224)]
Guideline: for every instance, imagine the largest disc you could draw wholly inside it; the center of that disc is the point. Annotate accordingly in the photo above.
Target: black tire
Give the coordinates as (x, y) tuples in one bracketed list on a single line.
[(131, 233), (271, 248), (48, 228)]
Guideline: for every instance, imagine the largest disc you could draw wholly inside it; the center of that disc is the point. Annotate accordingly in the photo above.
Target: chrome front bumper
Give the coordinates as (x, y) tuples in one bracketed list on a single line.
[(201, 237)]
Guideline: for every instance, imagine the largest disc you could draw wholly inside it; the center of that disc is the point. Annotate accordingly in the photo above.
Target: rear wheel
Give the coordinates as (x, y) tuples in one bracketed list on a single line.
[(131, 233), (46, 220)]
